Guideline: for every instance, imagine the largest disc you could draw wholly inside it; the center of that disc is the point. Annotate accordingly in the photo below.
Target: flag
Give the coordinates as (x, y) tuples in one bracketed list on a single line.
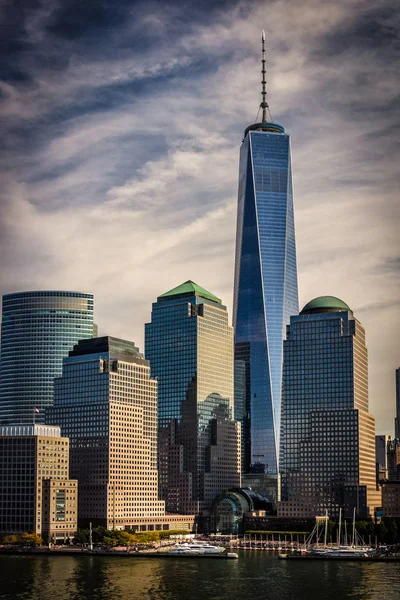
[(36, 410)]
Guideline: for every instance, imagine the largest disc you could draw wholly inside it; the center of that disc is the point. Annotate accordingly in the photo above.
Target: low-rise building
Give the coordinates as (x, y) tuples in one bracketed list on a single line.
[(36, 494)]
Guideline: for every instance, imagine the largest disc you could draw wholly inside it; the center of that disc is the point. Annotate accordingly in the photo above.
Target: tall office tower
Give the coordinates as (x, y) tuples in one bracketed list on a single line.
[(36, 494), (37, 331), (327, 458), (265, 291), (106, 403), (381, 442), (393, 459), (190, 347), (397, 418)]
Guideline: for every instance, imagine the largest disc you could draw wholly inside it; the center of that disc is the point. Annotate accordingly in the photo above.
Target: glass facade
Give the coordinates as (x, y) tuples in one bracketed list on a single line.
[(265, 292), (327, 457), (38, 330), (189, 344)]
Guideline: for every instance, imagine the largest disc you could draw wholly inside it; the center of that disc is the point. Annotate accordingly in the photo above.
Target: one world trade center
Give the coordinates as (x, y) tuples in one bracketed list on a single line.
[(265, 292)]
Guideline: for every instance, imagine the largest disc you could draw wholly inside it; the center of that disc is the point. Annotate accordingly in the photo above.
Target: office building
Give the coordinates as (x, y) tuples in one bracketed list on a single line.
[(397, 418), (189, 344), (391, 499), (381, 442), (36, 494), (393, 459), (327, 453), (37, 331), (265, 289), (106, 403)]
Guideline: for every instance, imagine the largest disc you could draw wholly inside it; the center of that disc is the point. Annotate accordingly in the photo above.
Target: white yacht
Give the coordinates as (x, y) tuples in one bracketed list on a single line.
[(196, 547)]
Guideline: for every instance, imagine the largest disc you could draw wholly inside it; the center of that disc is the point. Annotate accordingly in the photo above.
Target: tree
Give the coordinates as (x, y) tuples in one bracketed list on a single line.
[(10, 539), (81, 536), (31, 539)]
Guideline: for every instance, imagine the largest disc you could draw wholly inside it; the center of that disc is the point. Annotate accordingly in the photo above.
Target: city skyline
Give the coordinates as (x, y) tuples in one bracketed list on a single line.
[(119, 164)]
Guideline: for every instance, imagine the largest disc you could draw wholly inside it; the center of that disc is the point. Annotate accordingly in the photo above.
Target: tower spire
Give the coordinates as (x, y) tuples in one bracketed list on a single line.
[(264, 103)]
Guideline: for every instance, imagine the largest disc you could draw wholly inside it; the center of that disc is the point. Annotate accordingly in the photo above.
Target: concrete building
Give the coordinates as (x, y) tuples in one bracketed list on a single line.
[(393, 459), (391, 499), (381, 442), (36, 494), (106, 403), (37, 331), (189, 344), (328, 437)]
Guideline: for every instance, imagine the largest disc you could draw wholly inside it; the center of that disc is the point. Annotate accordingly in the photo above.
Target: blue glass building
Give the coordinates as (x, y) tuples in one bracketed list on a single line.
[(38, 330), (327, 458), (189, 344), (265, 292)]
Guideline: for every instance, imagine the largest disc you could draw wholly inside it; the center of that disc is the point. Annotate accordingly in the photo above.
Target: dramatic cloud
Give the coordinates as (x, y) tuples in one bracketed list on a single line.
[(121, 128)]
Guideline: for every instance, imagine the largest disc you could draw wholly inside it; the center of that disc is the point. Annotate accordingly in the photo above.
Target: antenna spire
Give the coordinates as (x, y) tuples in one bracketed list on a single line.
[(264, 103)]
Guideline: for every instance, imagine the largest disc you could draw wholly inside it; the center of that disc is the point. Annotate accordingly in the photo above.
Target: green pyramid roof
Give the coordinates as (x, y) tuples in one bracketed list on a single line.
[(325, 304), (189, 288)]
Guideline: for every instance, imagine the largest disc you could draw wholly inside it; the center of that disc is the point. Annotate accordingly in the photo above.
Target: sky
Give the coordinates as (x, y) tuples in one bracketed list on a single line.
[(121, 124)]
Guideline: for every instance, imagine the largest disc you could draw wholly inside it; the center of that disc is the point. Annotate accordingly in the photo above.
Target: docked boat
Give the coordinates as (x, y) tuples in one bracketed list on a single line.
[(196, 548)]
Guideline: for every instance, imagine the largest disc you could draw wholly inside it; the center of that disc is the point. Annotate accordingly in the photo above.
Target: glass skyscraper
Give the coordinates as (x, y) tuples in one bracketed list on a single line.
[(38, 330), (265, 292), (327, 458), (189, 344)]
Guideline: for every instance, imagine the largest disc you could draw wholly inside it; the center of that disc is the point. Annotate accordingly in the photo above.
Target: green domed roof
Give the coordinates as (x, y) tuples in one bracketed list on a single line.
[(325, 304)]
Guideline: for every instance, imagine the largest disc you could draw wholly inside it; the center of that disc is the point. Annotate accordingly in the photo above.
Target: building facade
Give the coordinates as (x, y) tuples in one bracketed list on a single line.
[(36, 494), (327, 457), (106, 403), (393, 459), (381, 442), (265, 288), (37, 331), (391, 499), (189, 344)]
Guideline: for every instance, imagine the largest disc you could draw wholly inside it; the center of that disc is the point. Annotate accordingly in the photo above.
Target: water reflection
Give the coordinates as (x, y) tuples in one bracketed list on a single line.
[(255, 575)]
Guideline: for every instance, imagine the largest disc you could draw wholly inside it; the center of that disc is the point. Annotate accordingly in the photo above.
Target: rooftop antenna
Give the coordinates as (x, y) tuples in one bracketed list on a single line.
[(264, 103)]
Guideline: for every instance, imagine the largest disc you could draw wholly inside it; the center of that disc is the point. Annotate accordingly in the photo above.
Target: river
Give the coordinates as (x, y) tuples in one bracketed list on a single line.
[(255, 576)]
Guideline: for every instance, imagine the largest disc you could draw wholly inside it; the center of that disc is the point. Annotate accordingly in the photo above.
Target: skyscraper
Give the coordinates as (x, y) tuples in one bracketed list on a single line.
[(189, 344), (327, 458), (106, 402), (265, 292), (37, 331)]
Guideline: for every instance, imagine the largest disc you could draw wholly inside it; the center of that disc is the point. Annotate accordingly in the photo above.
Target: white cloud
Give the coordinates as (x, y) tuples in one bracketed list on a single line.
[(130, 201)]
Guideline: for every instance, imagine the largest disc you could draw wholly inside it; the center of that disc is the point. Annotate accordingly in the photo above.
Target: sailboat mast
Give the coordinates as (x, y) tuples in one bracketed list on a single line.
[(340, 526), (354, 528), (326, 528)]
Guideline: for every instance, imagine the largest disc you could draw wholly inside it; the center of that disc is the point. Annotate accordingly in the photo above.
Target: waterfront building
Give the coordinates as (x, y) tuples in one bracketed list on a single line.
[(397, 418), (391, 499), (381, 442), (393, 459), (189, 344), (37, 331), (327, 457), (265, 289), (36, 494), (106, 403), (231, 508)]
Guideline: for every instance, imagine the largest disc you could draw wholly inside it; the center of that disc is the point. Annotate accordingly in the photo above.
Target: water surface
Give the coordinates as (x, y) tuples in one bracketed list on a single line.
[(255, 576)]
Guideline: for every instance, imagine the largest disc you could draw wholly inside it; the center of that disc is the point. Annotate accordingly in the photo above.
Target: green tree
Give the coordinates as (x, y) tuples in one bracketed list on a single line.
[(10, 539), (81, 536), (31, 539)]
